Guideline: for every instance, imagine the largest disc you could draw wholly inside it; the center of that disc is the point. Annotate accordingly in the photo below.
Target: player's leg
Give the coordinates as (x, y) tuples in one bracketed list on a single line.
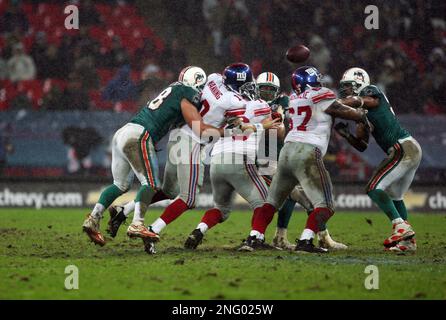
[(280, 239), (223, 194), (169, 190), (251, 187), (407, 169), (282, 184), (143, 160), (316, 183), (122, 176), (189, 170), (379, 189)]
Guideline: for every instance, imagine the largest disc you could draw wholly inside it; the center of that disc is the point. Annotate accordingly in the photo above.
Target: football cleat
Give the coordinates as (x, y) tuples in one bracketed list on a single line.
[(404, 246), (140, 231), (91, 228), (253, 243), (401, 231), (149, 246), (194, 239), (117, 218), (308, 246), (325, 241), (281, 241)]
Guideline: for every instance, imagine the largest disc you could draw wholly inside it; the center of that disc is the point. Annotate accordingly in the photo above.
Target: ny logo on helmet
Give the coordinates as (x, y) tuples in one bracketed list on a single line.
[(241, 76)]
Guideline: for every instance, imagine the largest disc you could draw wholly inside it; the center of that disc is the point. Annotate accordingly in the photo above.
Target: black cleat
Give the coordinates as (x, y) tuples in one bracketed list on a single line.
[(194, 239), (252, 243), (117, 218), (308, 246), (149, 246)]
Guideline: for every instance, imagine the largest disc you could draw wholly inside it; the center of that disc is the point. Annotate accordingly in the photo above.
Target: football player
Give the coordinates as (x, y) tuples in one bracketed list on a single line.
[(269, 90), (133, 149), (394, 175), (312, 109), (221, 99), (233, 169)]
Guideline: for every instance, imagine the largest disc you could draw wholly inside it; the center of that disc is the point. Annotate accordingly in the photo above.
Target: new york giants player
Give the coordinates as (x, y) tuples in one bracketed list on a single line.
[(233, 169), (312, 108)]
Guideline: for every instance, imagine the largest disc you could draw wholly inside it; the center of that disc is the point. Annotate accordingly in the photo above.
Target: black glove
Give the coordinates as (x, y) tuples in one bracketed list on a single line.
[(342, 129)]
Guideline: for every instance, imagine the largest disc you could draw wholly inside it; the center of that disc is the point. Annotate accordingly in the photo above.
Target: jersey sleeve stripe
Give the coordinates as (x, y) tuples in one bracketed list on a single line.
[(261, 112), (234, 113), (327, 95)]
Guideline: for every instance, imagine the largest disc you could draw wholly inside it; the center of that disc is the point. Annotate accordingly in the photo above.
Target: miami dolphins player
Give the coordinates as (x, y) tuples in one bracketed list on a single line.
[(269, 90), (394, 175), (133, 149)]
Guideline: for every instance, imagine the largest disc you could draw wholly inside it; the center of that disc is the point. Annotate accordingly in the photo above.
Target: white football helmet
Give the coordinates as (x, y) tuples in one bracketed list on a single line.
[(194, 77), (269, 86), (356, 77)]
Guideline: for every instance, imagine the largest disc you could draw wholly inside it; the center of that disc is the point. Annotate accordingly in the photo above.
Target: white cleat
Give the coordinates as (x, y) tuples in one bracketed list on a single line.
[(91, 228), (405, 246), (138, 231), (325, 241), (281, 240)]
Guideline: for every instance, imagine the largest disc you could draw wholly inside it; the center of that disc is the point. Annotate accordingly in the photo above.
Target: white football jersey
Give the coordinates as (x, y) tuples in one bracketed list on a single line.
[(308, 121), (218, 101), (256, 111)]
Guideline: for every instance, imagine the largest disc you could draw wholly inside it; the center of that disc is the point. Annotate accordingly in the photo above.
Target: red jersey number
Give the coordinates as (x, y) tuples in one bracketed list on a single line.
[(308, 113)]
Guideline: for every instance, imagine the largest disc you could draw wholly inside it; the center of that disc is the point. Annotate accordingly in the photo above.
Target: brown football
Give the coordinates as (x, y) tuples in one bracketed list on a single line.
[(298, 54)]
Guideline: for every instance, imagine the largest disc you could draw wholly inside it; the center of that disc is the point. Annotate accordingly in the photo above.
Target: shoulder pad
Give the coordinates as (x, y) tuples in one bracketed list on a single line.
[(370, 91)]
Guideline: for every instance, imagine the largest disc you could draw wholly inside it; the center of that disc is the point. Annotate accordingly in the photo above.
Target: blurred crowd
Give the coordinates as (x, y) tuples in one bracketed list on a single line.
[(405, 56), (125, 52)]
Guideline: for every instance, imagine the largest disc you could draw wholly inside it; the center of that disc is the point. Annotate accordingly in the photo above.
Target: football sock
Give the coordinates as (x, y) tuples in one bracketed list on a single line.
[(138, 217), (97, 211), (212, 217), (257, 234), (158, 225), (307, 234), (174, 210), (262, 217), (128, 208), (397, 221), (109, 195), (285, 213), (383, 201), (318, 218), (401, 207), (203, 227), (142, 200)]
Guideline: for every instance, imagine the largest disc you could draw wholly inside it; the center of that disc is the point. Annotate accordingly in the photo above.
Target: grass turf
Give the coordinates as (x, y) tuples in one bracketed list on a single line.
[(37, 245)]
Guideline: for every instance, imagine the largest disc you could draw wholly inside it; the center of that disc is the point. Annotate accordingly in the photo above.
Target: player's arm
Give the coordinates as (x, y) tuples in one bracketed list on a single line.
[(361, 141), (340, 110), (194, 120), (368, 102), (266, 124)]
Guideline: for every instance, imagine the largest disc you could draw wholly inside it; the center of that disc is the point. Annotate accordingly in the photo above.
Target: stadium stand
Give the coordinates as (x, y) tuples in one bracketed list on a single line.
[(406, 57)]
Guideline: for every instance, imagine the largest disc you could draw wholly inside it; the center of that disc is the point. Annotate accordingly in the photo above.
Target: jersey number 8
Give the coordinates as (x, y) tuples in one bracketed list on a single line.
[(156, 103)]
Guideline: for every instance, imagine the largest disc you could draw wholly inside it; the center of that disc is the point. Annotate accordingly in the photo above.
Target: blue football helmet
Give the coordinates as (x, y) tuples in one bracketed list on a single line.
[(238, 77), (304, 78)]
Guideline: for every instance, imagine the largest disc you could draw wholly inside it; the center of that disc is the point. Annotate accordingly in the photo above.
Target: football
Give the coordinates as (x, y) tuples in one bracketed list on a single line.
[(298, 54)]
